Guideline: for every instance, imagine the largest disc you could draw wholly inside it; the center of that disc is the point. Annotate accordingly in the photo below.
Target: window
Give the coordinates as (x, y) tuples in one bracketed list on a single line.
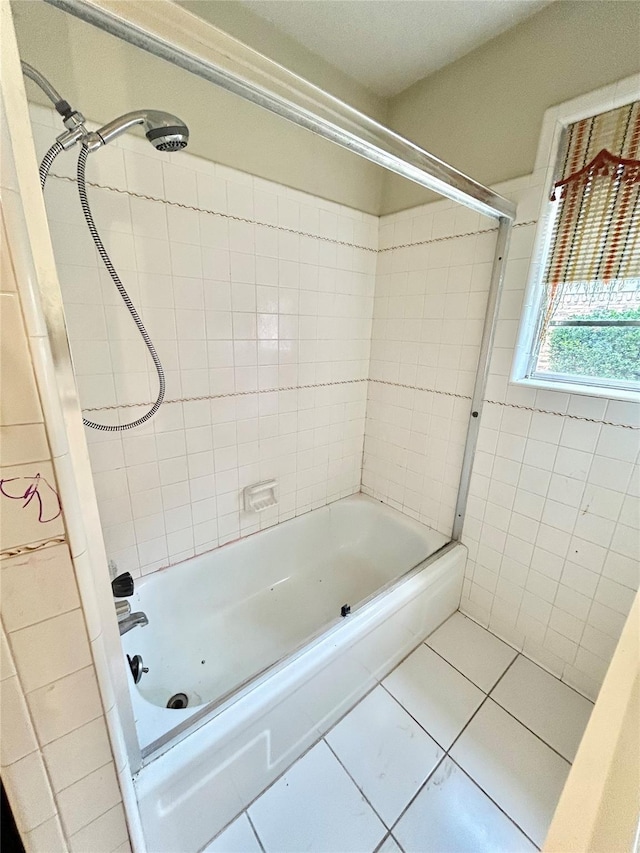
[(587, 328)]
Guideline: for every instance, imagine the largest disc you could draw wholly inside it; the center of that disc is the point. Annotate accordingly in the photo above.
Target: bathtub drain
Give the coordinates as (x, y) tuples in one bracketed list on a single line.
[(178, 700)]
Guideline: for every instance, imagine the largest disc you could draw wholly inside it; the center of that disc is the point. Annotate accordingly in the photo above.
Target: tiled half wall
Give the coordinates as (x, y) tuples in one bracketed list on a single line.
[(56, 760)]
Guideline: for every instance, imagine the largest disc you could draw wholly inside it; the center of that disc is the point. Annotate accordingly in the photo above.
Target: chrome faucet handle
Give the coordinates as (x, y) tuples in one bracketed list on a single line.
[(123, 608)]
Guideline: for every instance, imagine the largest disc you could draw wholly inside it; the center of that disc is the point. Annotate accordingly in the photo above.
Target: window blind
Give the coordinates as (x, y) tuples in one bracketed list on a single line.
[(596, 233)]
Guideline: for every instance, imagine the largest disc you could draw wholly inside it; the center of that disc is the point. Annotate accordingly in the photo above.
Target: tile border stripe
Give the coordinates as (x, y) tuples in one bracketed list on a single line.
[(230, 216), (453, 237), (28, 549), (562, 414), (230, 394), (421, 388), (248, 221), (388, 382)]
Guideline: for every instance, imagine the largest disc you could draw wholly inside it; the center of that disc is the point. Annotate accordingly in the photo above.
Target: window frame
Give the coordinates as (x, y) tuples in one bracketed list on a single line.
[(554, 127)]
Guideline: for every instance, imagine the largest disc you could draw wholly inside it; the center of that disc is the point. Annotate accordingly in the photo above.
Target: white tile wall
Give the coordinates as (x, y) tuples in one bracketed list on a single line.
[(429, 308), (266, 325), (553, 518)]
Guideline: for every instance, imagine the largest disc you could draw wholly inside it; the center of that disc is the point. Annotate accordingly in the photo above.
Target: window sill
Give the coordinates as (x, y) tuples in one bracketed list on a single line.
[(577, 388)]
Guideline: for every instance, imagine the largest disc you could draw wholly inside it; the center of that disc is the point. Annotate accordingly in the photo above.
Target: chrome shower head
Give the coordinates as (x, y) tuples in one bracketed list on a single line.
[(164, 131)]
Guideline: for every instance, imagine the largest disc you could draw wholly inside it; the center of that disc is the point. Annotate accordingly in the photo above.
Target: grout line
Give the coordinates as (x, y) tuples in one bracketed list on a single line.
[(408, 655), (397, 842), (420, 789), (449, 756), (444, 758), (487, 696), (466, 725), (384, 841), (500, 677), (379, 847), (101, 716), (459, 671), (409, 714), (102, 814), (525, 726), (526, 656), (496, 804), (255, 831), (362, 794)]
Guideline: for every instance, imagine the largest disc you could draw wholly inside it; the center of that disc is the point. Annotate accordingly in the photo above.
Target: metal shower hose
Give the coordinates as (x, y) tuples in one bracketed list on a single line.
[(46, 164)]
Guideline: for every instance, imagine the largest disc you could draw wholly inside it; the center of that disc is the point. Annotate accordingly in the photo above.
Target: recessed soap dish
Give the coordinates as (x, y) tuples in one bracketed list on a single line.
[(260, 496)]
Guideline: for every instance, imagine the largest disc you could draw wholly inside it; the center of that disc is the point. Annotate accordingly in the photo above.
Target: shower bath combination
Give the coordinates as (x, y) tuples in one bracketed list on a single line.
[(165, 132)]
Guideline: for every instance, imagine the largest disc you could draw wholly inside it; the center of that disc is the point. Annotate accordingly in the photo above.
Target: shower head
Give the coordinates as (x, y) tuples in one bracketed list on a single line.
[(164, 131)]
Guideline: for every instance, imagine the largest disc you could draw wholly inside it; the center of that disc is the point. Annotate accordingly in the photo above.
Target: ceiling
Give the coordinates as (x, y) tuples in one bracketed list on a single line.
[(386, 45)]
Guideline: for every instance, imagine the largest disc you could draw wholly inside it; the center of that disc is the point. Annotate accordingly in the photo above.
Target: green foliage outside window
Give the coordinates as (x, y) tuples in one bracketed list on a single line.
[(607, 352)]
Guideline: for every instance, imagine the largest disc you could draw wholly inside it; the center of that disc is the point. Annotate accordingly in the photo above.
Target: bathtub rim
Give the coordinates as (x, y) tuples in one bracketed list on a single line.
[(212, 710)]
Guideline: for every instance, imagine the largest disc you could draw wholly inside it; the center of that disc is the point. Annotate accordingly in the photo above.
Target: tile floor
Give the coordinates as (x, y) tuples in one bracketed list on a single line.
[(465, 746)]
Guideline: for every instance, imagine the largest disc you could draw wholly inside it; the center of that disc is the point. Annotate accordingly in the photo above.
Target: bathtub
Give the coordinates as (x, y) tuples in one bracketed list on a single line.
[(272, 639)]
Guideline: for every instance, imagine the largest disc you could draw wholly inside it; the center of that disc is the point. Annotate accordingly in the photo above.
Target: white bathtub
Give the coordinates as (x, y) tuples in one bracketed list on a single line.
[(253, 634)]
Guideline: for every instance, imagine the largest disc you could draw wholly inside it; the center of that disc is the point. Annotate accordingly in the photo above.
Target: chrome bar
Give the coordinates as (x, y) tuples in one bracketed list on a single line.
[(488, 333), (172, 33)]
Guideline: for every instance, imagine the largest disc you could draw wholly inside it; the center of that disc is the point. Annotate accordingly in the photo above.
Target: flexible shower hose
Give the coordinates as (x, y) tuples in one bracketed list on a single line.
[(45, 166)]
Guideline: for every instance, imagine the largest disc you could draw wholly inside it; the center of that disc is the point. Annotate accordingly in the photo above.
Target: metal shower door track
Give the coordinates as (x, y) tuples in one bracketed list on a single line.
[(171, 33)]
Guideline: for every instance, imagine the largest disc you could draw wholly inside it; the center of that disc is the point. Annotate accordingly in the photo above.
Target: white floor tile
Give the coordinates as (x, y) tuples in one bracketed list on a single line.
[(452, 815), (473, 650), (389, 845), (316, 807), (515, 768), (439, 698), (555, 712), (385, 751), (239, 837)]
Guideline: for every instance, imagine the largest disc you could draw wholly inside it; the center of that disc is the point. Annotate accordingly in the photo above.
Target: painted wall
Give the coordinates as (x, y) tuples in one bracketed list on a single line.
[(223, 127), (261, 35), (483, 113), (264, 334)]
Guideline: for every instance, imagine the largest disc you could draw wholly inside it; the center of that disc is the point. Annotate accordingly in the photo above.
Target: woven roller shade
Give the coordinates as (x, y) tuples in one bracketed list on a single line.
[(596, 234)]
